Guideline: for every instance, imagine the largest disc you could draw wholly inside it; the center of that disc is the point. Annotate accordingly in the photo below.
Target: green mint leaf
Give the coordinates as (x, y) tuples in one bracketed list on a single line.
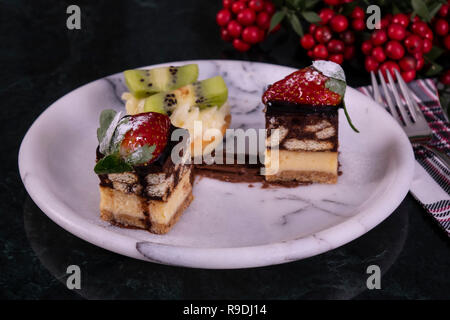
[(311, 16), (276, 19), (434, 69), (337, 86), (112, 163), (105, 143), (295, 24), (141, 155), (348, 118), (421, 9), (106, 116)]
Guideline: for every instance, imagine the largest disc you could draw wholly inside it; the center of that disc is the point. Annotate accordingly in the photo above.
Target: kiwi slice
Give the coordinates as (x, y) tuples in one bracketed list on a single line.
[(144, 83), (206, 93)]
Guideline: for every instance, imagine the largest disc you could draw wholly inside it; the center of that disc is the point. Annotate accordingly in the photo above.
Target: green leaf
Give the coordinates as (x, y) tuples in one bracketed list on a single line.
[(141, 155), (295, 4), (295, 23), (106, 118), (311, 16), (434, 53), (348, 118), (337, 86), (434, 8), (421, 9), (434, 70), (112, 163), (276, 19), (311, 3)]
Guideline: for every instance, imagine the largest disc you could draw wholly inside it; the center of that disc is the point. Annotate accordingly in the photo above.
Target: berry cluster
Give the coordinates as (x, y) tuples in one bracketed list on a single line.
[(332, 39), (245, 22), (336, 2), (400, 44), (441, 26)]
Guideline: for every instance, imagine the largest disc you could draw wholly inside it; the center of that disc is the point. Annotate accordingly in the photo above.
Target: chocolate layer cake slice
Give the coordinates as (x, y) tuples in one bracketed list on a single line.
[(141, 184), (302, 110)]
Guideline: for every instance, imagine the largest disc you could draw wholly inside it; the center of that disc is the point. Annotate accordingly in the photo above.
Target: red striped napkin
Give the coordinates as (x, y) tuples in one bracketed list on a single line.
[(431, 183)]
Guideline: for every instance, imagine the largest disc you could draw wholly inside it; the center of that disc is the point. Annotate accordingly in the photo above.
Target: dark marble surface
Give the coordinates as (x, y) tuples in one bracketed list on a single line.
[(41, 61)]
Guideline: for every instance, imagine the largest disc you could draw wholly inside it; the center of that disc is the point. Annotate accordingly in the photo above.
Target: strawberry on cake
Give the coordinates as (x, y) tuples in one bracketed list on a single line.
[(141, 186), (303, 109)]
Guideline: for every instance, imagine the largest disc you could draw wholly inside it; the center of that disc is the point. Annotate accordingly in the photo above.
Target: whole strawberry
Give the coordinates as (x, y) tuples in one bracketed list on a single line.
[(134, 140), (149, 129), (306, 86)]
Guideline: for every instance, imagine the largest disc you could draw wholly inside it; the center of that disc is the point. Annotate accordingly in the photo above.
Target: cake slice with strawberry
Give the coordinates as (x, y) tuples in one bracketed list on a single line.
[(302, 124), (145, 178)]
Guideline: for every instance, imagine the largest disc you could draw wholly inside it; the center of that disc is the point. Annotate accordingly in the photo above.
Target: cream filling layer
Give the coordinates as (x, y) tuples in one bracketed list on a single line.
[(285, 160)]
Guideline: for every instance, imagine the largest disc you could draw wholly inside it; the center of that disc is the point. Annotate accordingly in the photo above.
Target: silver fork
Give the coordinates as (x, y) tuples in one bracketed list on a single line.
[(408, 114)]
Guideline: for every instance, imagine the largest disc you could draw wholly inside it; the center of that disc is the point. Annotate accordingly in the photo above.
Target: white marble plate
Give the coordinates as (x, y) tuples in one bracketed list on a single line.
[(227, 225)]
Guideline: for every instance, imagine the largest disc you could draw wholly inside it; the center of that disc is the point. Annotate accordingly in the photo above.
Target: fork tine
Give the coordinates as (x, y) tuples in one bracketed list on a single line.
[(376, 91), (387, 95), (406, 94), (399, 101)]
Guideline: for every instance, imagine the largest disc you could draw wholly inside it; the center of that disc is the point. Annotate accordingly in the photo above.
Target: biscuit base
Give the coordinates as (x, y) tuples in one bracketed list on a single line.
[(304, 176)]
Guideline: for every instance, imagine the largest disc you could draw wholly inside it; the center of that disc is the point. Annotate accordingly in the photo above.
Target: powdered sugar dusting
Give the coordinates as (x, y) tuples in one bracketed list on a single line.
[(329, 69), (105, 143)]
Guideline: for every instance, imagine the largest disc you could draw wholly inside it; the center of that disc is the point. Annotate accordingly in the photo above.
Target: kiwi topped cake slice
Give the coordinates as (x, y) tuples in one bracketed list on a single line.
[(203, 94), (144, 83)]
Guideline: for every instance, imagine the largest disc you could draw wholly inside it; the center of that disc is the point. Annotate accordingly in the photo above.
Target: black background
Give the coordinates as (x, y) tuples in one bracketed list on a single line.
[(41, 61)]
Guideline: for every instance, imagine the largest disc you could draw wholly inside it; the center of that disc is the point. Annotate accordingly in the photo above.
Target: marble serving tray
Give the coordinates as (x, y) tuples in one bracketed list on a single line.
[(228, 225)]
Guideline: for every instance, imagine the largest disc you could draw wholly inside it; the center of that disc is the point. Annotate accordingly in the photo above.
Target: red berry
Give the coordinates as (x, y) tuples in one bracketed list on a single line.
[(447, 42), (358, 24), (389, 66), (263, 20), (428, 34), (348, 37), (407, 63), (441, 27), (408, 76), (349, 52), (420, 62), (332, 2), (443, 11), (335, 46), (339, 23), (227, 3), (445, 78), (379, 37), (371, 64), (401, 19), (419, 27), (396, 32), (378, 54), (246, 17), (325, 15), (413, 43), (366, 47), (395, 50), (256, 5), (337, 58), (269, 7), (384, 22), (234, 29), (237, 7), (357, 13), (150, 128), (225, 35), (240, 45), (320, 51), (310, 53), (312, 28), (322, 34), (251, 35), (426, 46), (307, 41), (223, 17)]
